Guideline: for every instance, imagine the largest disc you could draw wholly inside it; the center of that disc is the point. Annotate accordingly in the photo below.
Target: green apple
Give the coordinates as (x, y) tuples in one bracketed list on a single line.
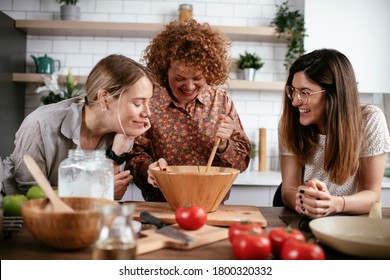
[(35, 192), (12, 204)]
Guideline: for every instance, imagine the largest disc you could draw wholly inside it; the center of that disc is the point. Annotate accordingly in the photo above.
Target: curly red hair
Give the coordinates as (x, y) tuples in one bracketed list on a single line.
[(197, 45)]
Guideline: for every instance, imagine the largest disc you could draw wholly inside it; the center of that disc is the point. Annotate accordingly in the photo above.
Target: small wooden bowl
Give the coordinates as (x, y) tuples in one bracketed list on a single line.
[(67, 231), (183, 185)]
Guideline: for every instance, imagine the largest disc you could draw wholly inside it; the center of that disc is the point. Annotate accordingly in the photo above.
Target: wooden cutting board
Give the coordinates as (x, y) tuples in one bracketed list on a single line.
[(150, 240), (223, 216)]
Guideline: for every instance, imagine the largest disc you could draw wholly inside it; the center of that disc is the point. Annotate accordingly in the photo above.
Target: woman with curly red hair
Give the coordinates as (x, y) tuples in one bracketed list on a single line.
[(189, 111)]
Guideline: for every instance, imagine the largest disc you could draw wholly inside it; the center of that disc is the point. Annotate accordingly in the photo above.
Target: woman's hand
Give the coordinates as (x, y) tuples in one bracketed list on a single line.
[(147, 125), (121, 181), (162, 164), (121, 144), (314, 200), (225, 129)]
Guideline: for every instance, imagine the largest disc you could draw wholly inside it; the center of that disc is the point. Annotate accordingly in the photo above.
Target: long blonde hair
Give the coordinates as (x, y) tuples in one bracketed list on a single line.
[(114, 73), (331, 70)]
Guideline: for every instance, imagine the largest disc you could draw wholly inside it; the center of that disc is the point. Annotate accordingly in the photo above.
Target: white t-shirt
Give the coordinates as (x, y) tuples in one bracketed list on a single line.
[(377, 142)]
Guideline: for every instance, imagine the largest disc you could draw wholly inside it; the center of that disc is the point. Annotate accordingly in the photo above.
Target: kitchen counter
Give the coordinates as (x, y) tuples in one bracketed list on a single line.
[(258, 188), (255, 188), (386, 183), (258, 178), (273, 178), (22, 245)]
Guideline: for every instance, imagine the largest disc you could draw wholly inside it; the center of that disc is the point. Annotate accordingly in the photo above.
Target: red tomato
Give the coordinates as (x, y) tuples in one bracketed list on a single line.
[(251, 246), (301, 250), (278, 237), (191, 217), (238, 228)]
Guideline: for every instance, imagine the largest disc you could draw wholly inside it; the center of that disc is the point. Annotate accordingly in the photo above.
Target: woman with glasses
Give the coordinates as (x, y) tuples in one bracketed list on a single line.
[(332, 148), (114, 111)]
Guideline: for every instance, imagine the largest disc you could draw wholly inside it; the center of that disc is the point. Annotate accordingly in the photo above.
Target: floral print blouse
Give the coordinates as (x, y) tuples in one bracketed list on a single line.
[(186, 136)]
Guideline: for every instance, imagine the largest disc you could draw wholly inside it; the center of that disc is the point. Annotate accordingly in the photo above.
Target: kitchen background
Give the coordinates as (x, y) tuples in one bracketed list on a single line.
[(257, 108)]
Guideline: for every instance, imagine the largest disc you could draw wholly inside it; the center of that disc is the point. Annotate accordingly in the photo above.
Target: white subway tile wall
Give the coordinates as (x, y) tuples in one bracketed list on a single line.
[(257, 109)]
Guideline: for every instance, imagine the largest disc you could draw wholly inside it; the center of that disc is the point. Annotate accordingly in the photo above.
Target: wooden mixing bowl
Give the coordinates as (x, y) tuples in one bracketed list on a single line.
[(183, 185), (68, 231)]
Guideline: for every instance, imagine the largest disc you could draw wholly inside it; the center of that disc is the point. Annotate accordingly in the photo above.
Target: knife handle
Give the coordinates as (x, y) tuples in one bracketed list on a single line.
[(147, 217)]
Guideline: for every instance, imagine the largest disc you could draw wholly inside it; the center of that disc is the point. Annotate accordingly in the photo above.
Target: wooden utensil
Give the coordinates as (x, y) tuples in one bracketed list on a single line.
[(64, 230), (211, 158), (57, 203), (184, 184)]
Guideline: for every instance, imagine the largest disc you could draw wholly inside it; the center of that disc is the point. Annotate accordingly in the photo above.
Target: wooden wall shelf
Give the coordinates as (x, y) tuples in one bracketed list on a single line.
[(231, 85), (139, 30)]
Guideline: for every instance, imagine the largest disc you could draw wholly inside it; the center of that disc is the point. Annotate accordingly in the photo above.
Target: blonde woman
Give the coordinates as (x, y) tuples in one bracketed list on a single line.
[(114, 111)]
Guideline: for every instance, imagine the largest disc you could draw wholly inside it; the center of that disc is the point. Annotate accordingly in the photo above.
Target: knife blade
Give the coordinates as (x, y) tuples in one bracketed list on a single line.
[(165, 229)]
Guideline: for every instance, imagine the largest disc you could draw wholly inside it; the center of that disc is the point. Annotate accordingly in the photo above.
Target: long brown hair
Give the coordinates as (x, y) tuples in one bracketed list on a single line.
[(331, 70)]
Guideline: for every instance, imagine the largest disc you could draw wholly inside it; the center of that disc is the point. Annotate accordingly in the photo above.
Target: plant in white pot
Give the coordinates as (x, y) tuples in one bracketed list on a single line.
[(250, 63), (69, 10)]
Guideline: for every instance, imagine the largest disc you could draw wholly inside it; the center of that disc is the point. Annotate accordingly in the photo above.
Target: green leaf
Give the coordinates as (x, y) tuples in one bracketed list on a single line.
[(68, 2), (249, 60), (291, 25)]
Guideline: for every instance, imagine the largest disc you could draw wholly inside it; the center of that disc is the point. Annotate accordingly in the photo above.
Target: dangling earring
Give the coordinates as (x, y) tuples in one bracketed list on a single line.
[(165, 81), (104, 109)]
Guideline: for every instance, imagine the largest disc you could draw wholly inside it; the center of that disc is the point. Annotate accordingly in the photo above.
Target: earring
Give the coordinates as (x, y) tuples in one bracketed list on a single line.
[(165, 81), (104, 109)]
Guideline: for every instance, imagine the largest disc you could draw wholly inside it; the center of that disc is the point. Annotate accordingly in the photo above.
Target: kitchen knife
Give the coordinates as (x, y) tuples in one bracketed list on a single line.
[(165, 229)]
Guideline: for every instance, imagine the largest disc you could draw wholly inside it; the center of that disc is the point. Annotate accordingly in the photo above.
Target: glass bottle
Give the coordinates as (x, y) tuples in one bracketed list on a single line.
[(86, 173), (117, 239), (185, 11)]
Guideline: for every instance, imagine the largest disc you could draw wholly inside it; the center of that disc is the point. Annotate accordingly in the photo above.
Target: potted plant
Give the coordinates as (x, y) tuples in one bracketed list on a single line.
[(253, 150), (51, 91), (291, 25), (252, 156), (69, 10), (250, 63)]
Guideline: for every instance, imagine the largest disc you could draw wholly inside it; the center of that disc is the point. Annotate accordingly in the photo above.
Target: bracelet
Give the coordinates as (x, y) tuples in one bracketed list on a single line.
[(117, 159), (343, 204)]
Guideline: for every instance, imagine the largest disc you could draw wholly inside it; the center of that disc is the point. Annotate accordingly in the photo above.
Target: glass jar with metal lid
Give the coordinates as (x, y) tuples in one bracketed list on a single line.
[(185, 11)]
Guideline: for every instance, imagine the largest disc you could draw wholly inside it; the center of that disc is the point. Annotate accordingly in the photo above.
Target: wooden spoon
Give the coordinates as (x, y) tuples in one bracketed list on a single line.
[(211, 158), (57, 203)]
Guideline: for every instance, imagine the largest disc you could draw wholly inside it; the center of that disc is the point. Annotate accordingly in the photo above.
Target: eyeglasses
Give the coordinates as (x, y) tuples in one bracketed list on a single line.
[(303, 96)]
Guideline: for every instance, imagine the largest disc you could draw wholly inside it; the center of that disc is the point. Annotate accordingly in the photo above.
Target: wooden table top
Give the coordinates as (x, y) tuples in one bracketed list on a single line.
[(22, 245)]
